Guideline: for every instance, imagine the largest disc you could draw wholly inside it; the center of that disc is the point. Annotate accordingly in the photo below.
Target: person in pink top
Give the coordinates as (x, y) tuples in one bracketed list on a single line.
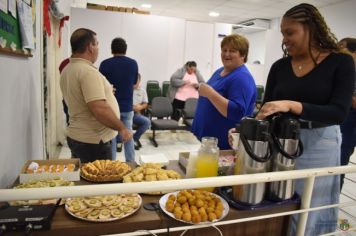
[(184, 84)]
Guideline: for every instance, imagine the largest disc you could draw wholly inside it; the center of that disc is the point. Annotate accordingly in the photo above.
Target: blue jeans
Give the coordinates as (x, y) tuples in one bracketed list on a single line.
[(143, 123), (113, 149), (126, 118), (348, 131), (321, 149)]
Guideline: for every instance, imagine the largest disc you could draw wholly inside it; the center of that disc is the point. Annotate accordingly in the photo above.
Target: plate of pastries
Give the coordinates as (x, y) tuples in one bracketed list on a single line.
[(151, 172), (103, 208), (194, 206), (40, 184), (104, 170)]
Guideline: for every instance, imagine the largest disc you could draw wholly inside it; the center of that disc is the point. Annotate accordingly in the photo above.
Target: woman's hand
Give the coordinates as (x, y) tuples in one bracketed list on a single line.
[(229, 135), (205, 90), (270, 108)]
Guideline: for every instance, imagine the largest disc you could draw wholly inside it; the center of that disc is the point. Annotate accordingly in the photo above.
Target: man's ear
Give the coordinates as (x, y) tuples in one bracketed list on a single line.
[(90, 47)]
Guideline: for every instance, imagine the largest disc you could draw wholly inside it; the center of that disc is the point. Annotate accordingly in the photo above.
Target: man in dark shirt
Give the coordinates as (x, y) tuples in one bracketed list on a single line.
[(121, 71)]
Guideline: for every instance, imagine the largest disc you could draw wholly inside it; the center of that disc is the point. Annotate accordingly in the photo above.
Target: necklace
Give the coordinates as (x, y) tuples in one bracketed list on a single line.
[(301, 66)]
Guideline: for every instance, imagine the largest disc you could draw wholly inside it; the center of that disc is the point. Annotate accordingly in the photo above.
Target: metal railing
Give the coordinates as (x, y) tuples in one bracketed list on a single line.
[(173, 185)]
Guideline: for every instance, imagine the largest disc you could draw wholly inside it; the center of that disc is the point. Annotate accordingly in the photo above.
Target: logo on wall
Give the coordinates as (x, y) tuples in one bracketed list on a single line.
[(344, 225)]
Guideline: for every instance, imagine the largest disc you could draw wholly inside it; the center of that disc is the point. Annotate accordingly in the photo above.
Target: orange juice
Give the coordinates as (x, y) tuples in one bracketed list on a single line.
[(206, 166)]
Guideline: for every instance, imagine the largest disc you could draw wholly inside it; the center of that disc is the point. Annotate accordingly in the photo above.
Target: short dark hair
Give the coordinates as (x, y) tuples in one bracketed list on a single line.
[(191, 64), (80, 40), (118, 45), (350, 44)]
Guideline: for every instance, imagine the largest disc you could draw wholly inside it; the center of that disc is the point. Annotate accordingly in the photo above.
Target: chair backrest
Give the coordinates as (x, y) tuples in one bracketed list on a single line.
[(152, 93), (152, 84), (190, 107), (165, 87), (161, 107)]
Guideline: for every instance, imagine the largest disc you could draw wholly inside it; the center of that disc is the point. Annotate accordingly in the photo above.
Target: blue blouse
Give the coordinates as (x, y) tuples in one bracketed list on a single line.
[(240, 89)]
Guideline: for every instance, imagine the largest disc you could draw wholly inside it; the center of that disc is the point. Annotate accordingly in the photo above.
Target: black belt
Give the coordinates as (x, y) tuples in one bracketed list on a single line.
[(311, 125)]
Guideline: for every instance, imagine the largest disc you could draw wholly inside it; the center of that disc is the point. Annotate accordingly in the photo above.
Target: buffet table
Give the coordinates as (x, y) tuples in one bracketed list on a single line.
[(65, 224)]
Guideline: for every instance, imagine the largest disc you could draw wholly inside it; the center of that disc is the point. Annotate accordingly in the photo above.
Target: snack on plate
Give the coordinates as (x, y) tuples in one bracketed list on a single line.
[(104, 170), (195, 206), (103, 208), (41, 184), (150, 172), (34, 167)]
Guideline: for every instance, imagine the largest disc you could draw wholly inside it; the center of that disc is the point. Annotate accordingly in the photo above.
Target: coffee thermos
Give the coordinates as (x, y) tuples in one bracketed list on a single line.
[(254, 152), (277, 138), (287, 147)]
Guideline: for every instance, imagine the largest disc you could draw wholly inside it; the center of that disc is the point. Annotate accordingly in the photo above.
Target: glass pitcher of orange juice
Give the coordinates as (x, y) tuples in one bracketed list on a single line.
[(208, 159)]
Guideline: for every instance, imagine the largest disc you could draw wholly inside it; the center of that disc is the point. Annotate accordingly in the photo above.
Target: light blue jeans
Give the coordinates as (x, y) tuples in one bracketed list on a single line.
[(113, 149), (126, 118), (321, 149)]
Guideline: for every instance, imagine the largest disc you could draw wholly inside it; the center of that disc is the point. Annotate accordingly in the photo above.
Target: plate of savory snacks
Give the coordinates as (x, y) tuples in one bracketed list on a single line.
[(104, 170), (151, 172), (194, 206), (103, 208), (40, 184)]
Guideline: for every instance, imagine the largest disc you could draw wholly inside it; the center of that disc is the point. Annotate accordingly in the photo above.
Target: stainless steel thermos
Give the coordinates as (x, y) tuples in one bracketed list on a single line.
[(254, 151), (287, 147), (261, 140)]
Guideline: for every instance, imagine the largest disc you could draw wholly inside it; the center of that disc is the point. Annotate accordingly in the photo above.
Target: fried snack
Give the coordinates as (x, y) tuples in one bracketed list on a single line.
[(94, 214), (84, 213), (41, 184), (195, 206), (34, 167), (103, 208), (105, 214), (150, 172), (104, 170), (117, 213), (93, 203)]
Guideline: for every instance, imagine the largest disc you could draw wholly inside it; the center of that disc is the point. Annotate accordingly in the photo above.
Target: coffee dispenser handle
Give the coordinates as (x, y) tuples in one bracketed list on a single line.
[(298, 153), (249, 151)]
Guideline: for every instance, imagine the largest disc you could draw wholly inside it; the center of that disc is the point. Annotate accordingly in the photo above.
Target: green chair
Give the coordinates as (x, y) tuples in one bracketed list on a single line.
[(165, 87), (152, 84), (152, 93)]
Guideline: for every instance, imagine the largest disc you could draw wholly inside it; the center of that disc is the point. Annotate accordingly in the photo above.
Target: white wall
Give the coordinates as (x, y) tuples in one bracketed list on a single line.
[(341, 18), (155, 42), (21, 109), (220, 30), (257, 50), (199, 46)]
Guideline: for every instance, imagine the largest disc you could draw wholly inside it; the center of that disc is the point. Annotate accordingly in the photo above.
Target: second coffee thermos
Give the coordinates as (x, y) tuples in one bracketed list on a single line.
[(287, 147)]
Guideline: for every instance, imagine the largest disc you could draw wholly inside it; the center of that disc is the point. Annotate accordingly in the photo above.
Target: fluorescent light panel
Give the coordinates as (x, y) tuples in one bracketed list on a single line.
[(214, 14), (145, 5)]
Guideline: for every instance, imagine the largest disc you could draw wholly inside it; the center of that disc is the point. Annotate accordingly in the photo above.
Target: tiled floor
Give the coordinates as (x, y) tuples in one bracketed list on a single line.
[(170, 144)]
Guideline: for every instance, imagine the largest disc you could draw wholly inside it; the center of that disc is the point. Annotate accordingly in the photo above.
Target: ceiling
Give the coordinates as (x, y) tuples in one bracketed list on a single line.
[(231, 11)]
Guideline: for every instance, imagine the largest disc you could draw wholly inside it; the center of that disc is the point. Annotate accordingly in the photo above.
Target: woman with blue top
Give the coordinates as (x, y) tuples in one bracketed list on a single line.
[(229, 95)]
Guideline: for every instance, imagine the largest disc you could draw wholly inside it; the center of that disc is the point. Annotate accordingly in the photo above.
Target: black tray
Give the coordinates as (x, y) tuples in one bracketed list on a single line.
[(226, 193)]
